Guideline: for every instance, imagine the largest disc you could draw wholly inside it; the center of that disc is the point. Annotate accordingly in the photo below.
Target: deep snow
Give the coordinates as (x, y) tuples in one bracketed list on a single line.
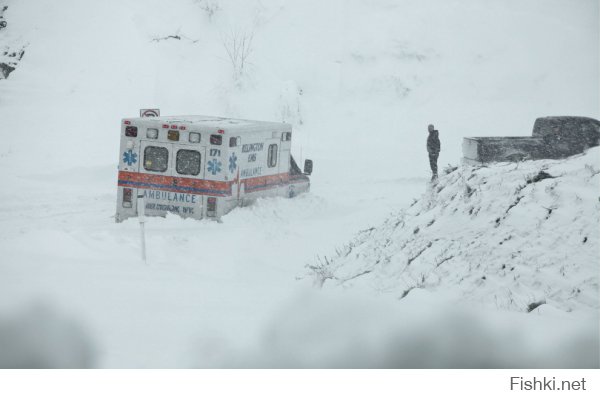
[(508, 234), (237, 294)]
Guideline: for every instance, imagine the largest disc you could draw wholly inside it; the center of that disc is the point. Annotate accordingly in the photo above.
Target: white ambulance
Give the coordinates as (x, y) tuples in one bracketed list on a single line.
[(203, 166)]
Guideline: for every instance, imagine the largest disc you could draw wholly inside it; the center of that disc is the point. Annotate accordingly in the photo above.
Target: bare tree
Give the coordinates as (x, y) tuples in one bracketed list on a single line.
[(238, 45), (210, 7)]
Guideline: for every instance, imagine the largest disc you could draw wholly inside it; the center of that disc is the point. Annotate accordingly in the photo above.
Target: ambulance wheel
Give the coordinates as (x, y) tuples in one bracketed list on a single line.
[(291, 192)]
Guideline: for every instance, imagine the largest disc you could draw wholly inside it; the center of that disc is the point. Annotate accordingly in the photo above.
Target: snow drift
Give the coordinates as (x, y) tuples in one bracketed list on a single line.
[(513, 235), (493, 267)]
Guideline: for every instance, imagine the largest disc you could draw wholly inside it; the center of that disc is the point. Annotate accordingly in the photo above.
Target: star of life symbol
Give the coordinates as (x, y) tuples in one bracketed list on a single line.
[(232, 162), (129, 157), (214, 166)]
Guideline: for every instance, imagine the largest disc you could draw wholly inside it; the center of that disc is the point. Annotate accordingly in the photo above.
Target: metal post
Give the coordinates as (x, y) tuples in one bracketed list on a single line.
[(142, 219)]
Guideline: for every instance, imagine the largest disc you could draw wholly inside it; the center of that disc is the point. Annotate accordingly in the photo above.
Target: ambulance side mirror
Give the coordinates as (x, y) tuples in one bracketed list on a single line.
[(308, 165)]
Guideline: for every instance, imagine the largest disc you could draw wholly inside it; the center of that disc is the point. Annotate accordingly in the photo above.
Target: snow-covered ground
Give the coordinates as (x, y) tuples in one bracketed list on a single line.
[(239, 293), (511, 234)]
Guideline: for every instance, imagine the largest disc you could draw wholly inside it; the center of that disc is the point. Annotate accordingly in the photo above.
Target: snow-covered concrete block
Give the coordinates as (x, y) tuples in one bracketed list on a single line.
[(553, 137)]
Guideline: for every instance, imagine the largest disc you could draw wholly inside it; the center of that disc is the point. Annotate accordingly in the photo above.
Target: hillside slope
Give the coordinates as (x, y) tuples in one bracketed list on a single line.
[(511, 235)]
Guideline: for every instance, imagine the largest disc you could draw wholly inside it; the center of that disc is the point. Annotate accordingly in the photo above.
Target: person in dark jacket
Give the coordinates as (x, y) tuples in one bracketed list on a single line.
[(433, 148)]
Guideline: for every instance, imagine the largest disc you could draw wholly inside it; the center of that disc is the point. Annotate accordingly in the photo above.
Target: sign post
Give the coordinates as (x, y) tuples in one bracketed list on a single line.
[(142, 219)]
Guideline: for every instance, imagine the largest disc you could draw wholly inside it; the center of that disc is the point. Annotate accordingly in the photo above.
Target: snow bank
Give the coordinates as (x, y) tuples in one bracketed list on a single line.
[(511, 236), (493, 267)]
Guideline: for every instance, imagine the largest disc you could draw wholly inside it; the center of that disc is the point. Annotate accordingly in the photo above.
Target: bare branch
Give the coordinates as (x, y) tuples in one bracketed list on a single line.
[(238, 46)]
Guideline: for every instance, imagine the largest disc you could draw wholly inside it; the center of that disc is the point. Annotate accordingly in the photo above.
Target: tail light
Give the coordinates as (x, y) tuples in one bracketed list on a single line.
[(127, 195), (211, 206), (131, 131)]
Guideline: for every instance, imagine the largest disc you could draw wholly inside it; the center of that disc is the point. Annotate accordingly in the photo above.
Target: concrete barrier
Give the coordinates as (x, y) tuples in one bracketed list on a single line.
[(553, 137)]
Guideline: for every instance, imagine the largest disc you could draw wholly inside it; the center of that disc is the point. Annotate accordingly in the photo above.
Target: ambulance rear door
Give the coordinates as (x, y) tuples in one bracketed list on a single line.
[(156, 182), (188, 171)]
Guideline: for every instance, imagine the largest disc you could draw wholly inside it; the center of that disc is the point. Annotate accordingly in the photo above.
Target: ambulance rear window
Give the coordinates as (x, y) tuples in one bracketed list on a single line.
[(188, 162), (156, 159)]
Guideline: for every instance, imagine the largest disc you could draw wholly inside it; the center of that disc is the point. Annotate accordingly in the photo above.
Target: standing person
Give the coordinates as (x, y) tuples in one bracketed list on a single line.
[(433, 148)]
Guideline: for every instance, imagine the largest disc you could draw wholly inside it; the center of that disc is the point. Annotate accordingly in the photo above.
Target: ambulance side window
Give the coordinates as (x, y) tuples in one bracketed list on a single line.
[(272, 157), (188, 162), (235, 141), (156, 159)]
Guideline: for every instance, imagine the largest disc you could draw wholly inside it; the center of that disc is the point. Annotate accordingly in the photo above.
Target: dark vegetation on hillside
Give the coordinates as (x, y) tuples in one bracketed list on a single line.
[(9, 56)]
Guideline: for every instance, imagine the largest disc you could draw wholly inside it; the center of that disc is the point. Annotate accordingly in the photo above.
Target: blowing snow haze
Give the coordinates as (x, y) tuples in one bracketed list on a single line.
[(359, 81)]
